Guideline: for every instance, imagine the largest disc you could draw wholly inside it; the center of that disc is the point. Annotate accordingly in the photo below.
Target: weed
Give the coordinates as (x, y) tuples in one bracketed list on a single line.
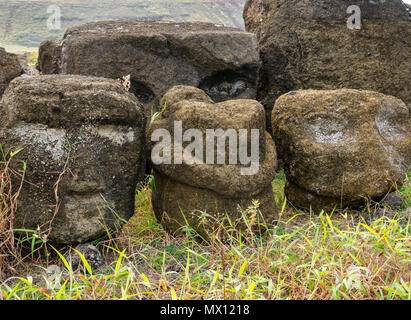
[(336, 255)]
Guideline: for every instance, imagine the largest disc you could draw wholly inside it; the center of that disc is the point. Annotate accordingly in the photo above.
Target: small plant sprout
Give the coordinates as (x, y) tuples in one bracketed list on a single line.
[(155, 115)]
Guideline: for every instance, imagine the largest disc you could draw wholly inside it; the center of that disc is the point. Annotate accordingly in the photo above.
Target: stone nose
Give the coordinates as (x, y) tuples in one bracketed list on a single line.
[(85, 181)]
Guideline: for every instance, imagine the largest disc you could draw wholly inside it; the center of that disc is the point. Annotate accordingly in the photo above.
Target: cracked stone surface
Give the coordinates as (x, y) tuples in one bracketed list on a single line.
[(341, 146), (83, 139), (158, 55), (306, 44)]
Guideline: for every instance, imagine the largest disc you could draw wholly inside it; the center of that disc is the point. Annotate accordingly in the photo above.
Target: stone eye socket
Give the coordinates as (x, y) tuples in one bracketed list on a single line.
[(226, 85), (56, 110), (141, 91)]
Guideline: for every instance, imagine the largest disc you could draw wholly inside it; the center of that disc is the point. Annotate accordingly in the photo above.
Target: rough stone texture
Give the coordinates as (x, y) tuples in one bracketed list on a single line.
[(307, 45), (170, 196), (394, 200), (342, 145), (214, 188), (94, 129), (159, 55), (49, 56), (10, 68)]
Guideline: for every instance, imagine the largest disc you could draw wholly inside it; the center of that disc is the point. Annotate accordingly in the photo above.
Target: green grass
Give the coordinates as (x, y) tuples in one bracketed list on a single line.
[(405, 190), (344, 255)]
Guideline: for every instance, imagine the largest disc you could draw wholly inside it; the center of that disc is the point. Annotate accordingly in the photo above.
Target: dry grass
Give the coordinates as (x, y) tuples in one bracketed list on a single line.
[(343, 255), (9, 251), (339, 255)]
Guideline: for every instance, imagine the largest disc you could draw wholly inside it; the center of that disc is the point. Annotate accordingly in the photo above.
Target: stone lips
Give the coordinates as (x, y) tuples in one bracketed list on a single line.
[(9, 69), (340, 146), (216, 189), (307, 45), (92, 127), (159, 55), (171, 198)]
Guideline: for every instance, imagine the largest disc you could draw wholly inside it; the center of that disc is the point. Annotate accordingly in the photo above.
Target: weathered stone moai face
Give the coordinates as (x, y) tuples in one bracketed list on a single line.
[(83, 142), (329, 45), (210, 160), (341, 146)]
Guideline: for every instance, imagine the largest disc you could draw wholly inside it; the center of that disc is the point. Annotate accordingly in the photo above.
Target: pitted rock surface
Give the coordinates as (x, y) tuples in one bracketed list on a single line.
[(341, 146), (83, 140), (308, 45), (159, 55), (184, 191)]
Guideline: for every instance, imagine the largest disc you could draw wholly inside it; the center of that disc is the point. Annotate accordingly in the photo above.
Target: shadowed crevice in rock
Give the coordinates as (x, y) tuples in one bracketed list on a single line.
[(228, 84), (141, 91)]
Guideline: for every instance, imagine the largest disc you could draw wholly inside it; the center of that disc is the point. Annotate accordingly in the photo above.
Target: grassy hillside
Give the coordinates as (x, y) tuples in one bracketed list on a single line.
[(23, 23)]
